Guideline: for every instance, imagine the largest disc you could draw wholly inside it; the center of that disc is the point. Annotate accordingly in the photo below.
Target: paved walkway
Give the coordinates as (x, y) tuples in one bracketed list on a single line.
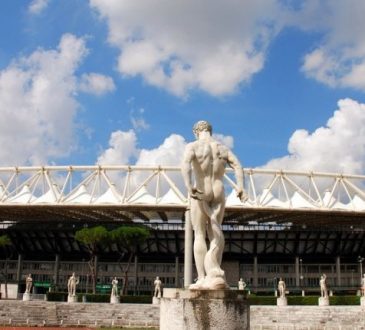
[(46, 328)]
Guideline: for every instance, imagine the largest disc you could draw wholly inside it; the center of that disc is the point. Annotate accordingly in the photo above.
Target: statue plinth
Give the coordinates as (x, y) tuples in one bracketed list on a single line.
[(114, 299), (323, 301), (362, 301), (204, 309), (156, 300), (71, 299), (26, 296), (281, 301)]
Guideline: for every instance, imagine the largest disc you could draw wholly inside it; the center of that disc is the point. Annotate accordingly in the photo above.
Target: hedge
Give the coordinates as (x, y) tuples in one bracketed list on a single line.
[(307, 300), (99, 298)]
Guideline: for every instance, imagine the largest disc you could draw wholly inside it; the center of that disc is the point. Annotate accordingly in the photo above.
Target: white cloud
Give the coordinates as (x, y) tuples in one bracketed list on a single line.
[(38, 105), (122, 149), (95, 83), (37, 6), (186, 44), (337, 147), (339, 60)]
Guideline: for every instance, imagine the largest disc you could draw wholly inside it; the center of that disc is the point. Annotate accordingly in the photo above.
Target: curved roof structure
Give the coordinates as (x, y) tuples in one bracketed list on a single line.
[(130, 193)]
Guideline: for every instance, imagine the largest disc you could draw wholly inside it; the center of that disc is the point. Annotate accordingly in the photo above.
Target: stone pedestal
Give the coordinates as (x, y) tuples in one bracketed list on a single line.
[(282, 301), (71, 299), (156, 300), (26, 296), (323, 301), (204, 310), (362, 301), (114, 299)]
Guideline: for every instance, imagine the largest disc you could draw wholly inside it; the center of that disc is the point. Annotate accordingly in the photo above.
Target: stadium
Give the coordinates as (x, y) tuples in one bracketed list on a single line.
[(295, 225)]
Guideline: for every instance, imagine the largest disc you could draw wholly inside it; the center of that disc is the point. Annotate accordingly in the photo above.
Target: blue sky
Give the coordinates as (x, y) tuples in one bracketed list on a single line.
[(120, 81)]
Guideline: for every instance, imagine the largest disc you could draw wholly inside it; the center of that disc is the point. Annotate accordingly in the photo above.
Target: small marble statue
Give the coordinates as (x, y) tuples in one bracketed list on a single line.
[(323, 285), (158, 284), (241, 284), (71, 285), (281, 288), (114, 287), (363, 286), (114, 297), (28, 283), (208, 158)]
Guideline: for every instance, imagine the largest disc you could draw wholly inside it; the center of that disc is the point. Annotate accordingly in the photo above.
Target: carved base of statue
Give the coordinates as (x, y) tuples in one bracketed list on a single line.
[(114, 299), (210, 283), (156, 300), (204, 309), (323, 301), (26, 296), (362, 301), (281, 301), (71, 299)]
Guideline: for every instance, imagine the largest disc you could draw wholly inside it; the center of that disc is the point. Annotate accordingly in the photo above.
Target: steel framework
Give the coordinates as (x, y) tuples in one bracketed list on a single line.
[(126, 193)]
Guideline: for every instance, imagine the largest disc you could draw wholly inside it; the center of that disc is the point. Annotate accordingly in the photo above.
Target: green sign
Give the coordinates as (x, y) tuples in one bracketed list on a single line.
[(42, 284)]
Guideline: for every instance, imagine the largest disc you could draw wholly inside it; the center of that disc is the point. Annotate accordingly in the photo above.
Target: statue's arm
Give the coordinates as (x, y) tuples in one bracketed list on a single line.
[(235, 164), (186, 167)]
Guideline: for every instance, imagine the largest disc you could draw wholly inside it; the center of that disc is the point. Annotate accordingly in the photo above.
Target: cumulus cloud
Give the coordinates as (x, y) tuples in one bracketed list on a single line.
[(37, 6), (186, 44), (339, 146), (339, 60), (96, 83), (122, 149), (38, 105)]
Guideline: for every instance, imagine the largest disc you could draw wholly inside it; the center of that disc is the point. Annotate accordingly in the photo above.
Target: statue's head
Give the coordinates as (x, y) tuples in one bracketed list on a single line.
[(202, 126)]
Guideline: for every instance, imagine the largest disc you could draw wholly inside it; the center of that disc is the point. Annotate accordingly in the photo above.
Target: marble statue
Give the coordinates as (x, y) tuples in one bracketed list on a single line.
[(114, 292), (28, 283), (207, 158), (363, 286), (71, 285), (241, 284), (158, 285), (281, 288), (114, 297), (323, 285)]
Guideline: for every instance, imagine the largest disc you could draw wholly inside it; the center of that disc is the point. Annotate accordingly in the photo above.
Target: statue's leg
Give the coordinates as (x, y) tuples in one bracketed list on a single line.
[(199, 220), (214, 256)]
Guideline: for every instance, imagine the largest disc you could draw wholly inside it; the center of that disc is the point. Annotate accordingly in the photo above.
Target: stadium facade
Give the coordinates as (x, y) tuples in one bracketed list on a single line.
[(295, 225)]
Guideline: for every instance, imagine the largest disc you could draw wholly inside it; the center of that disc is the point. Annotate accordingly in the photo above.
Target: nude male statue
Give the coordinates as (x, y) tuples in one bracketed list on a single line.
[(241, 284), (323, 285), (28, 283), (208, 159), (281, 288), (114, 292), (157, 283), (71, 285), (363, 286)]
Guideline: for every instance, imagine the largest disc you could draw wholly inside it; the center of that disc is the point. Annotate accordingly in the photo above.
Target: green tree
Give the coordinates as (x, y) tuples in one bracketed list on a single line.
[(92, 238), (5, 242), (128, 239)]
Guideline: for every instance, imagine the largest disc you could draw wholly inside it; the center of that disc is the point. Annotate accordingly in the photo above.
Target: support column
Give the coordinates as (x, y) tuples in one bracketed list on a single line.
[(338, 271), (297, 272), (19, 270), (177, 284), (188, 250), (255, 272), (56, 271), (135, 275)]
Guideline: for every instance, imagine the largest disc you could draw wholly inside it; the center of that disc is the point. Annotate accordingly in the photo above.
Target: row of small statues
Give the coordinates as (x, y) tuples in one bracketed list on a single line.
[(73, 281), (322, 283)]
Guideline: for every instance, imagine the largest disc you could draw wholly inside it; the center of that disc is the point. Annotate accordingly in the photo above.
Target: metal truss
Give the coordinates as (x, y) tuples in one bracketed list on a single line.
[(162, 186)]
